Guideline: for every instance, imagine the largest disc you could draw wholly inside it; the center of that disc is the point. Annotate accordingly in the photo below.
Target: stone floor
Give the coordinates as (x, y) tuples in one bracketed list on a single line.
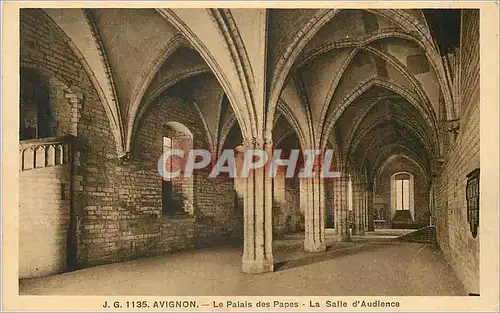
[(375, 264)]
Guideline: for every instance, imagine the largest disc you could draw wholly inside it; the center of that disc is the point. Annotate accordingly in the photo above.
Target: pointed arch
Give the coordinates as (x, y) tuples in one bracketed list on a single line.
[(332, 87), (92, 64), (288, 59), (376, 174), (410, 24), (135, 112), (387, 84), (242, 108), (150, 98)]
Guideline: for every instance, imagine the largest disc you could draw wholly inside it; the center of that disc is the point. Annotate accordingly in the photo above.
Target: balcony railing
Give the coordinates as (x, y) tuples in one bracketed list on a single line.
[(45, 152)]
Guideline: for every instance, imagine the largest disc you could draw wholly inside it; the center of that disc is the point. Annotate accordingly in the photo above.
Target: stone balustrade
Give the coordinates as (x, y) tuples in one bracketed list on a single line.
[(44, 152)]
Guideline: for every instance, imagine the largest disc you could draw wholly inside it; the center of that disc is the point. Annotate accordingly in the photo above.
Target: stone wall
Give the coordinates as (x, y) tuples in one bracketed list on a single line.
[(117, 203), (134, 221), (454, 236), (44, 218), (287, 217), (329, 201), (420, 190), (115, 209)]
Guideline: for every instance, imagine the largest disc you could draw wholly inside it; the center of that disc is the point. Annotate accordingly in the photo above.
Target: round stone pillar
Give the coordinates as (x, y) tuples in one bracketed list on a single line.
[(341, 209), (314, 214), (258, 216)]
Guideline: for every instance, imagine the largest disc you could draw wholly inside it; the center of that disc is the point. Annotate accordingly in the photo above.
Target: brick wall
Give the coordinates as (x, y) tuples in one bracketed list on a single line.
[(60, 106), (329, 204), (43, 212), (454, 237), (219, 219), (287, 217), (117, 204), (134, 221)]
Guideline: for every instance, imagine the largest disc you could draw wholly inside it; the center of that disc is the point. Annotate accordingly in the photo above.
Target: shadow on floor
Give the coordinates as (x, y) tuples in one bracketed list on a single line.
[(345, 268), (331, 252), (372, 242)]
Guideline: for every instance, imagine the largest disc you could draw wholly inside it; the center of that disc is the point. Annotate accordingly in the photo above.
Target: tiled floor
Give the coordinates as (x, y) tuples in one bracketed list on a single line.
[(369, 265)]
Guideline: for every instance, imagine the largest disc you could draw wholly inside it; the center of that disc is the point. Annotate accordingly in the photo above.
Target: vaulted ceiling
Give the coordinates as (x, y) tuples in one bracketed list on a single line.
[(368, 82)]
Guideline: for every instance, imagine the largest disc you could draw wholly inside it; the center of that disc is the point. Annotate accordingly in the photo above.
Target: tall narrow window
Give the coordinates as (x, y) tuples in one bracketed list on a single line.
[(170, 205), (177, 191), (402, 193), (167, 145), (167, 182), (472, 194), (402, 197)]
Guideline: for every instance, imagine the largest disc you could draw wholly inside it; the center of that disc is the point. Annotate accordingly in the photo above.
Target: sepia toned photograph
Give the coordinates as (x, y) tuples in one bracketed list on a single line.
[(258, 152)]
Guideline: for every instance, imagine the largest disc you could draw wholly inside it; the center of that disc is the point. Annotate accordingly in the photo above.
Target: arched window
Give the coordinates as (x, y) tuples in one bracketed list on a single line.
[(177, 193), (402, 195), (402, 192)]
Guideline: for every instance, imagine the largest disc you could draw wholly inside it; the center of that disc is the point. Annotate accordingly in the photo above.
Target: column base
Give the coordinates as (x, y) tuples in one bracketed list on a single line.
[(342, 237), (314, 247), (256, 266)]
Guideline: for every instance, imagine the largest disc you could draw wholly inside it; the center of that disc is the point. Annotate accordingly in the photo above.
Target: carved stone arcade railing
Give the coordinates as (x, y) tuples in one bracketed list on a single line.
[(45, 152)]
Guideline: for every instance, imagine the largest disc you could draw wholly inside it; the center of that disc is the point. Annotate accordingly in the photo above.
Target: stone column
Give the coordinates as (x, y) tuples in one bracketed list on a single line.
[(432, 204), (365, 207), (257, 220), (355, 205), (362, 209), (340, 207), (369, 203), (314, 240), (358, 227)]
